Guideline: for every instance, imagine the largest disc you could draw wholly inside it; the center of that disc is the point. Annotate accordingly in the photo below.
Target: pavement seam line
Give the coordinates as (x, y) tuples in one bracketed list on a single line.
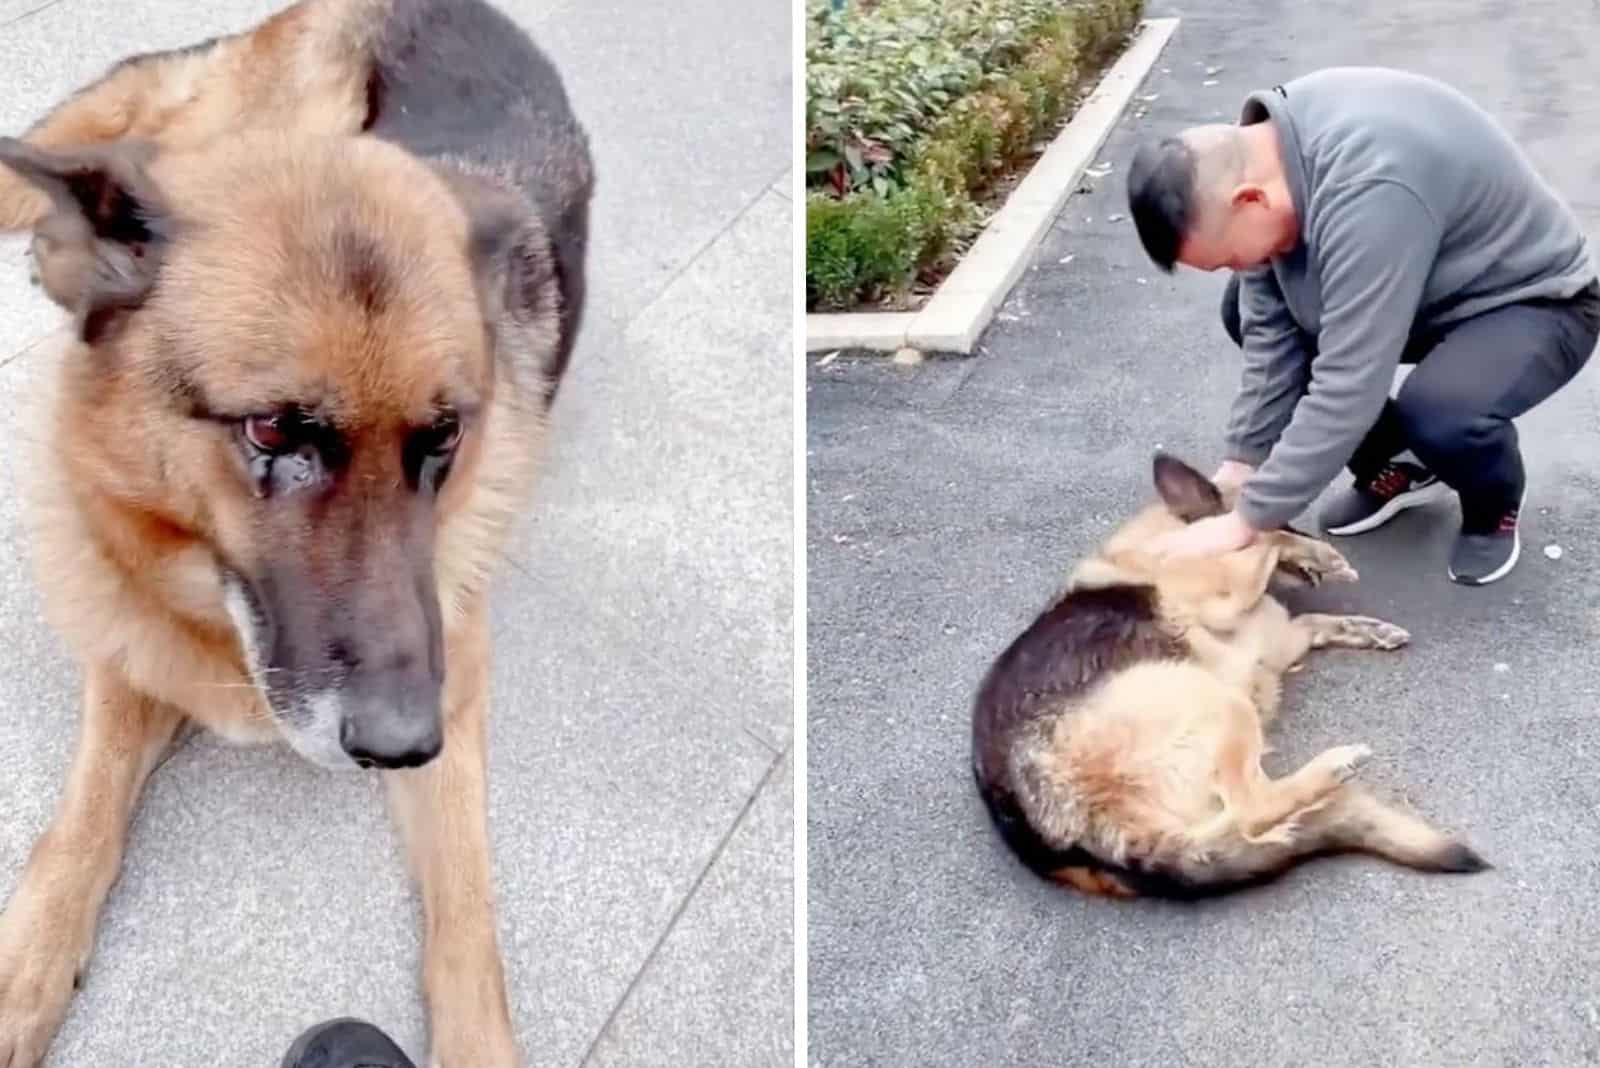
[(28, 14), (698, 254), (24, 350), (683, 906), (765, 742)]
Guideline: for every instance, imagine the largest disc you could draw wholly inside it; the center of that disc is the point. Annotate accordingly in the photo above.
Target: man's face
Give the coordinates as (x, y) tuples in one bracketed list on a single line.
[(1243, 232)]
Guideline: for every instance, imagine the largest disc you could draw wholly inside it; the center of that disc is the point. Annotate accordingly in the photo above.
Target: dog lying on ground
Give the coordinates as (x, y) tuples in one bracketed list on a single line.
[(1117, 742), (324, 277)]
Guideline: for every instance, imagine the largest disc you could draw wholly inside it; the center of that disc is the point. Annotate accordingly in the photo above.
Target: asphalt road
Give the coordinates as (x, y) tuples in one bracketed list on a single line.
[(946, 501), (641, 781)]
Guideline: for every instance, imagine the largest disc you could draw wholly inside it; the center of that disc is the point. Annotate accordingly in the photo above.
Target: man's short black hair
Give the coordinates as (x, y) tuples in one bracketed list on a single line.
[(1161, 197)]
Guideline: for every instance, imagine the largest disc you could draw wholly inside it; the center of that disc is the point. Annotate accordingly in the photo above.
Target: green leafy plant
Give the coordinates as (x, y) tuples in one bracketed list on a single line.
[(879, 75), (915, 109)]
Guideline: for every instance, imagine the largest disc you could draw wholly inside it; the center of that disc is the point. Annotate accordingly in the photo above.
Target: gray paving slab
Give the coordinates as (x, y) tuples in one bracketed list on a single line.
[(261, 895), (697, 104), (746, 901), (671, 484), (945, 501), (30, 315)]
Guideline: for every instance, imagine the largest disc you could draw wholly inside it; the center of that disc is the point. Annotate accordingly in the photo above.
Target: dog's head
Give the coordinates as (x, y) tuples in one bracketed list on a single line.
[(288, 358), (1206, 587)]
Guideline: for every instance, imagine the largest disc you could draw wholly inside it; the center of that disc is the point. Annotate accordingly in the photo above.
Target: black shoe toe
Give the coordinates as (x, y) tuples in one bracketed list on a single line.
[(345, 1043)]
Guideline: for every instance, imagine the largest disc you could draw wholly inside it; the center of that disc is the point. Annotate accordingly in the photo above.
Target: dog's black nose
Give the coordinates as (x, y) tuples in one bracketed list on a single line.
[(397, 732), (380, 747)]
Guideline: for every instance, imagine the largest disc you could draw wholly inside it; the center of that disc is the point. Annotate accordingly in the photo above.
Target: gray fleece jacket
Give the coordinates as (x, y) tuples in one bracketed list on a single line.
[(1416, 209)]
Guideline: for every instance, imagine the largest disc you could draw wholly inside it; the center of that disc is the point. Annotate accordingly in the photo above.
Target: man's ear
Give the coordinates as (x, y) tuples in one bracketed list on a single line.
[(1249, 195), (1187, 493), (98, 252)]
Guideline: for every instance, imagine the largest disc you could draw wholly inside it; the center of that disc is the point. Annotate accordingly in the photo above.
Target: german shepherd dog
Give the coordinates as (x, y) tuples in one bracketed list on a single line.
[(1117, 742), (324, 277)]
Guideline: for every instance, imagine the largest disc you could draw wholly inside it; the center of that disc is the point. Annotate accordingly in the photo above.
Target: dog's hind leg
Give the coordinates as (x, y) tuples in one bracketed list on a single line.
[(441, 811), (1268, 825), (47, 931), (1262, 807)]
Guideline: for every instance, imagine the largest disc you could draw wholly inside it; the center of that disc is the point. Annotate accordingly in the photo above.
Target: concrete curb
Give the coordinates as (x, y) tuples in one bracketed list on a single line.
[(963, 305)]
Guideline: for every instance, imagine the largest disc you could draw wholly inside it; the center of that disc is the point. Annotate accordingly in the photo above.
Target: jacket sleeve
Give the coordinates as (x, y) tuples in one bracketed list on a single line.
[(1373, 251), (1276, 366)]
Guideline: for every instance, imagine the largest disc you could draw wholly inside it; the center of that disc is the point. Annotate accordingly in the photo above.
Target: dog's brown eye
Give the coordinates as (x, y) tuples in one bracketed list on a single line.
[(269, 433)]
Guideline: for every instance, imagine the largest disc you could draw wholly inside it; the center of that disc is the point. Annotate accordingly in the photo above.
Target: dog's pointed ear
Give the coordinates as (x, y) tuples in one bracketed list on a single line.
[(511, 258), (1187, 493), (98, 252)]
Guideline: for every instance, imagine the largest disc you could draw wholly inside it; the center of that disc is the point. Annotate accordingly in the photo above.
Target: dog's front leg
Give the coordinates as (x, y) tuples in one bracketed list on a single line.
[(441, 812), (47, 930), (1315, 561)]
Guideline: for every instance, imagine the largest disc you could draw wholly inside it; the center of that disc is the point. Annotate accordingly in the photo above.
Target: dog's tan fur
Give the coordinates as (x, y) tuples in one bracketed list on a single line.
[(1138, 766), (128, 499), (302, 69)]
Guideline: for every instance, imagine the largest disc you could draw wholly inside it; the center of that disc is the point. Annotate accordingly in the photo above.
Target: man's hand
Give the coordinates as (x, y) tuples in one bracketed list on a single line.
[(1232, 474), (1207, 537)]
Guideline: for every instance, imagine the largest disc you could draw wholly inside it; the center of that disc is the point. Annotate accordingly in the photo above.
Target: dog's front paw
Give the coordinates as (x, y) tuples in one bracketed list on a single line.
[(1316, 562), (1344, 760), (39, 964), (1328, 564), (1375, 633)]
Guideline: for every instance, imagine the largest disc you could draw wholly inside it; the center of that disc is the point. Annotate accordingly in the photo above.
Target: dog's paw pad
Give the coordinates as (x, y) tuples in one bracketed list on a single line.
[(1386, 635), (1375, 632), (1345, 759), (1389, 636)]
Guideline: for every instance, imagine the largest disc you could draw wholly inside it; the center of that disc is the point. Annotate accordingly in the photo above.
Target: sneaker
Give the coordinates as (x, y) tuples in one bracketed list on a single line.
[(1368, 505), (1482, 556), (345, 1043)]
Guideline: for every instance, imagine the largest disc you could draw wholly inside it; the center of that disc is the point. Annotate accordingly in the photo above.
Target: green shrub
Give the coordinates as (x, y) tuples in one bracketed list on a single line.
[(878, 75), (869, 245), (885, 207)]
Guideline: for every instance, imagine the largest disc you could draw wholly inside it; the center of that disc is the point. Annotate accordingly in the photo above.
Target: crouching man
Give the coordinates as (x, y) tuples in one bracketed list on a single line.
[(1370, 218)]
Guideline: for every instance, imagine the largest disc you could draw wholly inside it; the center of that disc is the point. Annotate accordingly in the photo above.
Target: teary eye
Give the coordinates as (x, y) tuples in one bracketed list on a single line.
[(275, 433), (287, 451)]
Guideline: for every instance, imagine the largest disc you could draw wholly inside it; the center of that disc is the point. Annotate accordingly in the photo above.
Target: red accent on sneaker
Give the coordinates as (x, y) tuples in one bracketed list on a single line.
[(1390, 482), (1508, 523)]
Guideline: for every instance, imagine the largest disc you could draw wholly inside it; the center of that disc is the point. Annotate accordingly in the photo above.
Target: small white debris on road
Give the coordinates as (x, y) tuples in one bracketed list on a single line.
[(1553, 551)]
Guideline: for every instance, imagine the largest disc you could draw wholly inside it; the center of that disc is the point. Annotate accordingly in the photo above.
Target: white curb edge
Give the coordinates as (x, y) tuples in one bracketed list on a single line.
[(961, 308)]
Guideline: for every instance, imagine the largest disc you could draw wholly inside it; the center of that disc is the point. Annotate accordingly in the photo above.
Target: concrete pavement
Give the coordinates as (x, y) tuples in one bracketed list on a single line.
[(946, 501), (641, 781)]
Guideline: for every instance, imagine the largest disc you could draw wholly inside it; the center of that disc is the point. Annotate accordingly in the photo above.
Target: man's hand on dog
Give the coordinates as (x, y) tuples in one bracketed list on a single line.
[(1232, 475), (1207, 537)]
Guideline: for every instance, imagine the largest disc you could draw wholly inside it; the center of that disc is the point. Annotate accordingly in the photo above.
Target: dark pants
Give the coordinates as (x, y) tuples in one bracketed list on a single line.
[(1472, 379)]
